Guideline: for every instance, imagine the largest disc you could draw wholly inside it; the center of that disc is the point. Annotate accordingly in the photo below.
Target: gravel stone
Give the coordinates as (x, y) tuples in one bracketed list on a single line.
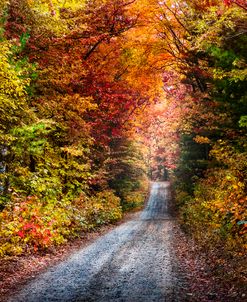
[(135, 262)]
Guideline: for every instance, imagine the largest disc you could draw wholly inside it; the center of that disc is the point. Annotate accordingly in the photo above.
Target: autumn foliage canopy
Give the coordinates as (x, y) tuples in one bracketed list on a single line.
[(96, 96)]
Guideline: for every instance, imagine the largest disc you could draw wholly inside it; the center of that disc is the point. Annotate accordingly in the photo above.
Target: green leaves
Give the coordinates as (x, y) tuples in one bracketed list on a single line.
[(66, 93), (33, 137), (207, 94), (223, 58), (243, 121)]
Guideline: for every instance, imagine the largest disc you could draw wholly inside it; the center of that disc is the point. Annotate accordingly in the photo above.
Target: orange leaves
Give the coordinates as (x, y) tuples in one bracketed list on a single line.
[(201, 139), (92, 82)]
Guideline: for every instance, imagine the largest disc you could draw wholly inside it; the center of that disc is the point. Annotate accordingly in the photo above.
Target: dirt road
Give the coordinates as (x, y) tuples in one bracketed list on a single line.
[(134, 262)]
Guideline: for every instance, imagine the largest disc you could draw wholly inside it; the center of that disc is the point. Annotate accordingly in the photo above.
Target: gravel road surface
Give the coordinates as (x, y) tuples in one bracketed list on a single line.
[(133, 263)]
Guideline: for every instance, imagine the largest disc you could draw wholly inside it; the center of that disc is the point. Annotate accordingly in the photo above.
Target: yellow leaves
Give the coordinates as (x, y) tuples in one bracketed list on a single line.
[(3, 4), (238, 185), (202, 139), (73, 151), (235, 74), (82, 104), (10, 82), (102, 208), (13, 105), (54, 6)]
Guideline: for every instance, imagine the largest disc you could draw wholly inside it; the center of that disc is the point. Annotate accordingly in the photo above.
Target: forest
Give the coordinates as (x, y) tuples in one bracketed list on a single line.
[(99, 97)]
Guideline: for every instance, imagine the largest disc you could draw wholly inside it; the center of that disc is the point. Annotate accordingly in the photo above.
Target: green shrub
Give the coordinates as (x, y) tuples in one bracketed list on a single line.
[(100, 209)]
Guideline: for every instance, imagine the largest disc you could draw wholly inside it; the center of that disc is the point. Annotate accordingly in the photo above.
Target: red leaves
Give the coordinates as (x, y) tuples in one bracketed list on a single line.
[(21, 234), (240, 3), (37, 234), (116, 132), (227, 2), (32, 228)]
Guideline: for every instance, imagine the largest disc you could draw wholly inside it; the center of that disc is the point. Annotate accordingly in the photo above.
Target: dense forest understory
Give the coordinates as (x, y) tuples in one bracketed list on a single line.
[(97, 97)]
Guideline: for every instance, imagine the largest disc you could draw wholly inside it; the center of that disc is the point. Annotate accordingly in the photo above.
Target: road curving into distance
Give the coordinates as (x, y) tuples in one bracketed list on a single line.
[(133, 263)]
